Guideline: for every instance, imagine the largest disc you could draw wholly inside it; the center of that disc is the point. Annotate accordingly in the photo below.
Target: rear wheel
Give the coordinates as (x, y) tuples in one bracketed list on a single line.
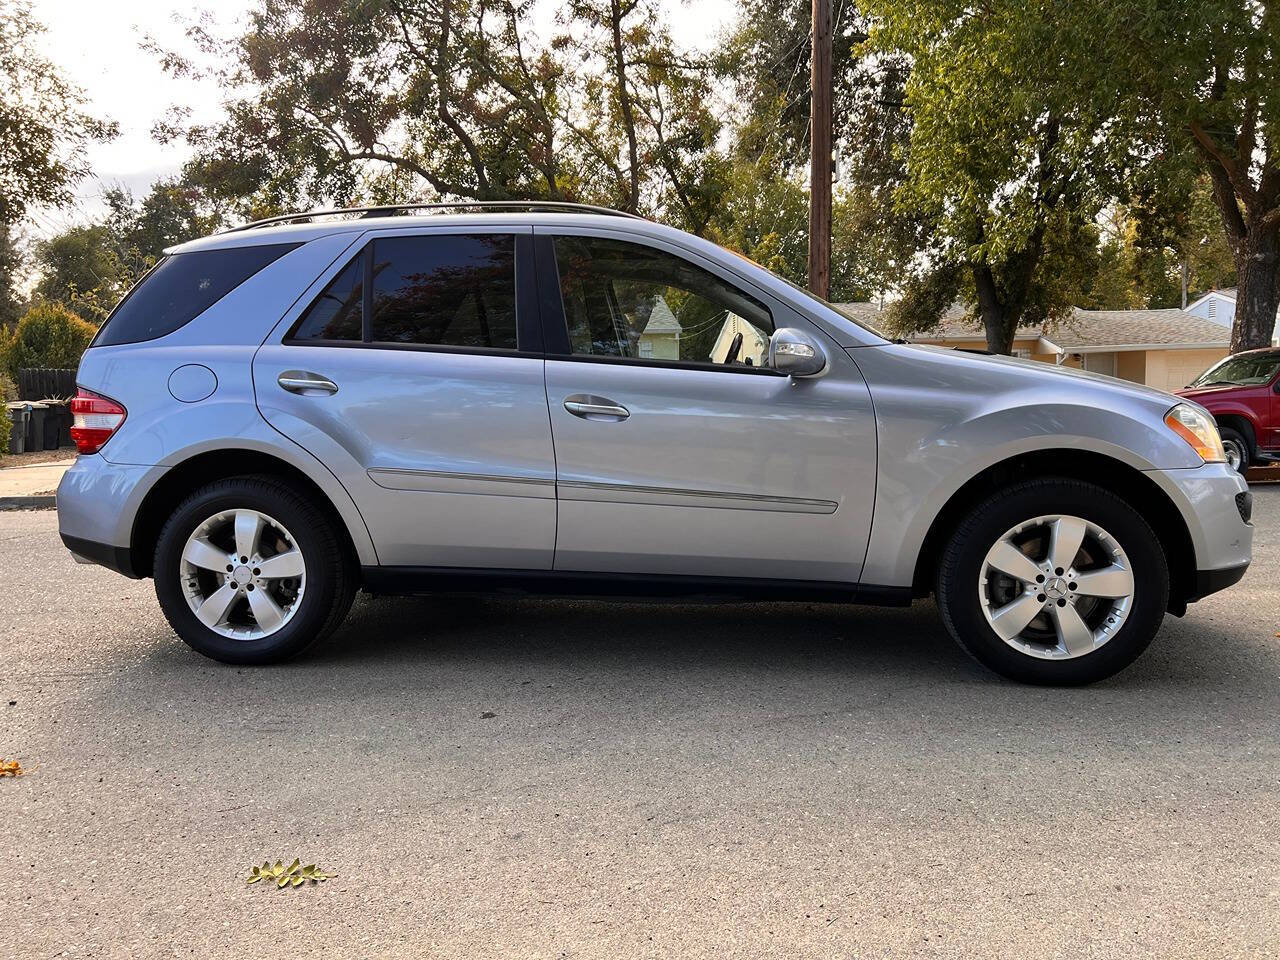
[(1236, 447), (1054, 581), (247, 571)]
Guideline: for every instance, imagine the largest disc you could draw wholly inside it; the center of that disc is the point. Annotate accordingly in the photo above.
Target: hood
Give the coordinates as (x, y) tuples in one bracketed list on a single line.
[(1016, 373), (1208, 393)]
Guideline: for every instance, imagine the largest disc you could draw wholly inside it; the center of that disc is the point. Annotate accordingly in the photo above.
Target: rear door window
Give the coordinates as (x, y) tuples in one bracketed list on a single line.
[(437, 290), (181, 287)]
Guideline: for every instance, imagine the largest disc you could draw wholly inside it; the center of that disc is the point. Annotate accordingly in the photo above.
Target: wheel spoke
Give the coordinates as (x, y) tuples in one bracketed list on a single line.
[(1011, 619), (1074, 634), (1113, 582), (248, 532), (202, 553), (265, 610), (1007, 558), (1065, 540), (288, 564), (214, 610)]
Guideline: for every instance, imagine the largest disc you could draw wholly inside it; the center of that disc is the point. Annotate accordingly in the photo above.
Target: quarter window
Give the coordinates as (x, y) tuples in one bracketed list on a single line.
[(337, 314), (631, 301), (181, 287), (452, 290)]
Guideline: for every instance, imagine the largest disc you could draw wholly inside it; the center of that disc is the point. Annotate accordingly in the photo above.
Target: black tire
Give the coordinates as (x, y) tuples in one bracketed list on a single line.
[(330, 572), (962, 563), (1234, 438)]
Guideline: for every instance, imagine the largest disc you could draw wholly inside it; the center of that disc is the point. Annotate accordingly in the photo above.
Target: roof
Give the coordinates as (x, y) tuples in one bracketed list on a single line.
[(1084, 331), (1135, 329), (661, 319)]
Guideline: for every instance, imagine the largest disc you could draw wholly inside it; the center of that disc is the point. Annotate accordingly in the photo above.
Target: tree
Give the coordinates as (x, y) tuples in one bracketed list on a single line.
[(11, 262), (766, 63), (1202, 81), (44, 128), (48, 335), (1006, 162), (81, 269), (399, 100)]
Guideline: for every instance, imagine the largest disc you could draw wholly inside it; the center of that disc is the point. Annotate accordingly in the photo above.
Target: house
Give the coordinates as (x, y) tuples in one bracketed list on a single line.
[(1220, 307), (1165, 349), (754, 343), (660, 339)]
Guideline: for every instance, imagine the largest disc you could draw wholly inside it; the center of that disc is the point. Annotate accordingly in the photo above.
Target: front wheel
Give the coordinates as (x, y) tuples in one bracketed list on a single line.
[(1053, 581), (248, 572), (1236, 448)]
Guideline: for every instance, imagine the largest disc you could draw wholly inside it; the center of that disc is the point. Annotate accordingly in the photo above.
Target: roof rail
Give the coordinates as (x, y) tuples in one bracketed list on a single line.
[(400, 209)]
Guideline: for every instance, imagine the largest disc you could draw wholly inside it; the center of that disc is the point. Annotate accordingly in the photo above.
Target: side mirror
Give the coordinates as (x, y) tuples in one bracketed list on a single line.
[(795, 353)]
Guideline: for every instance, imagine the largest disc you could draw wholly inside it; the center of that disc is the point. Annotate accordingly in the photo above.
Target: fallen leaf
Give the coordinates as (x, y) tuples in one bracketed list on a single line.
[(293, 875), (11, 768), (488, 715)]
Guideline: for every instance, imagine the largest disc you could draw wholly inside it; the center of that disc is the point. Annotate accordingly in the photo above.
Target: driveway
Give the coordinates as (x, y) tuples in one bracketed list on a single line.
[(569, 779)]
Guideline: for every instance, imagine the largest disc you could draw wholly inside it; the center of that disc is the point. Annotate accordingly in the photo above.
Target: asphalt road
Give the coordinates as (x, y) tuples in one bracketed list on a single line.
[(665, 781)]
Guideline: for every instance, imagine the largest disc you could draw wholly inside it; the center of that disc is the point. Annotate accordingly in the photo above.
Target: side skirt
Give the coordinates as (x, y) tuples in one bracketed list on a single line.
[(562, 583)]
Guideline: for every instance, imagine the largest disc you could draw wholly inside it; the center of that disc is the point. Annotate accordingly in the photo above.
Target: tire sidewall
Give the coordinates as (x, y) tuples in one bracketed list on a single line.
[(308, 531), (958, 585), (1235, 437)]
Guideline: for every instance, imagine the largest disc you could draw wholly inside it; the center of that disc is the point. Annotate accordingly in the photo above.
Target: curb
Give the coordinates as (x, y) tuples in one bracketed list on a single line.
[(49, 502)]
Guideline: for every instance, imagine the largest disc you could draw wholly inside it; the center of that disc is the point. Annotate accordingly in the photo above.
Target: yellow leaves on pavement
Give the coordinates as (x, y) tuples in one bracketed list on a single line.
[(11, 768), (290, 876)]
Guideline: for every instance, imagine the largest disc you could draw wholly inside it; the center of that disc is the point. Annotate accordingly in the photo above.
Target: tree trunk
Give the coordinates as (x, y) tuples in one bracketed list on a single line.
[(995, 320), (1257, 263)]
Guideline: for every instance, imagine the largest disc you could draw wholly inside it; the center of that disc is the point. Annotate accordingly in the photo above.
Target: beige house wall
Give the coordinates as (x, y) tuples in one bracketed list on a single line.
[(1174, 369)]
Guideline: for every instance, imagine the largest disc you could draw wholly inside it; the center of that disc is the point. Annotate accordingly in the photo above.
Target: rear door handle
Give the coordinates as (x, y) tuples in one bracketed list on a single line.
[(304, 382), (595, 408)]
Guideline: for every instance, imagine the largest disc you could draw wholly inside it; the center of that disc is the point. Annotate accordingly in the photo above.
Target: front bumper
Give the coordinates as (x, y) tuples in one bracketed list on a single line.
[(1211, 581), (1215, 504)]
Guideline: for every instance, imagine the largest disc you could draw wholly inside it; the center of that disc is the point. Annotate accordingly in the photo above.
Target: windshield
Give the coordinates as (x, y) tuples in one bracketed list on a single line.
[(1245, 369), (843, 314)]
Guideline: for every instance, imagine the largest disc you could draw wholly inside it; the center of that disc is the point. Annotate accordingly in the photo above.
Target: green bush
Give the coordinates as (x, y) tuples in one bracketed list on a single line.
[(49, 335)]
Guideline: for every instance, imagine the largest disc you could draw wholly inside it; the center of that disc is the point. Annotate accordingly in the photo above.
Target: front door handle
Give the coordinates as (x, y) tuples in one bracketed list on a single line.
[(306, 383), (595, 408)]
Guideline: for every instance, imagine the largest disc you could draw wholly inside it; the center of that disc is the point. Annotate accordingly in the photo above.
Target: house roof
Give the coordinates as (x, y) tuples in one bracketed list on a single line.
[(1084, 331), (1134, 329), (661, 319)]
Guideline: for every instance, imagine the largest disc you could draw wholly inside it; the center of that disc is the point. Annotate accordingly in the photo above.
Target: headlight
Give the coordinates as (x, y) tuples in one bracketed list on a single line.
[(1199, 430)]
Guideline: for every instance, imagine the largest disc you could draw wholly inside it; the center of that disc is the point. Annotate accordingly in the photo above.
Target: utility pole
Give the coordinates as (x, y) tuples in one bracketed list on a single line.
[(820, 151)]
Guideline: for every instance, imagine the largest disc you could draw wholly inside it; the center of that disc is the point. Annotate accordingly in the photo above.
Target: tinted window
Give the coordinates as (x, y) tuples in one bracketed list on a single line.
[(180, 288), (628, 300), (337, 314), (446, 289)]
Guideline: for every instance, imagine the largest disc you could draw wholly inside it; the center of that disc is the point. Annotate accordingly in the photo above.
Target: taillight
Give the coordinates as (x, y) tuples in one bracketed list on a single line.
[(94, 420)]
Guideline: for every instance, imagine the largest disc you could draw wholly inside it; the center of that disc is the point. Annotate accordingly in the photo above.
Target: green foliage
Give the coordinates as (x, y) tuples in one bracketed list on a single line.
[(44, 129), (49, 335), (11, 263), (292, 875), (399, 100)]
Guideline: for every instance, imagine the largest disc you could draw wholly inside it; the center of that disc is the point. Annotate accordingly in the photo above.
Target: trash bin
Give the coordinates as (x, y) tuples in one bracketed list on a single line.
[(35, 425), (52, 438), (18, 415)]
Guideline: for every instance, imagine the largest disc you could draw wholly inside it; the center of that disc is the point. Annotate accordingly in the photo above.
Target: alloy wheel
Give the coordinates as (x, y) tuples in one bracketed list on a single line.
[(1056, 587), (243, 574), (1235, 455)]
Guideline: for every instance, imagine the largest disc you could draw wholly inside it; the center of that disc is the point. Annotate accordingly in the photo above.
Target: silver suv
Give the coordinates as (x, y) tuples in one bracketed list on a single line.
[(559, 400)]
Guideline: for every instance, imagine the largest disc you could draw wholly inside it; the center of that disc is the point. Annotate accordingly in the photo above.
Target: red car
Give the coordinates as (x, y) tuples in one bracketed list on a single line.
[(1243, 394)]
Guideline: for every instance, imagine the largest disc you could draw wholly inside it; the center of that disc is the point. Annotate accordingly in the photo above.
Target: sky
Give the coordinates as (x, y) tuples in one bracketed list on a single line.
[(96, 43)]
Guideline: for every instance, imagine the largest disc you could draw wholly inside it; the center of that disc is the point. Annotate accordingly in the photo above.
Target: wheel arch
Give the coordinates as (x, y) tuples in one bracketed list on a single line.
[(205, 467), (1240, 423), (1130, 484)]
